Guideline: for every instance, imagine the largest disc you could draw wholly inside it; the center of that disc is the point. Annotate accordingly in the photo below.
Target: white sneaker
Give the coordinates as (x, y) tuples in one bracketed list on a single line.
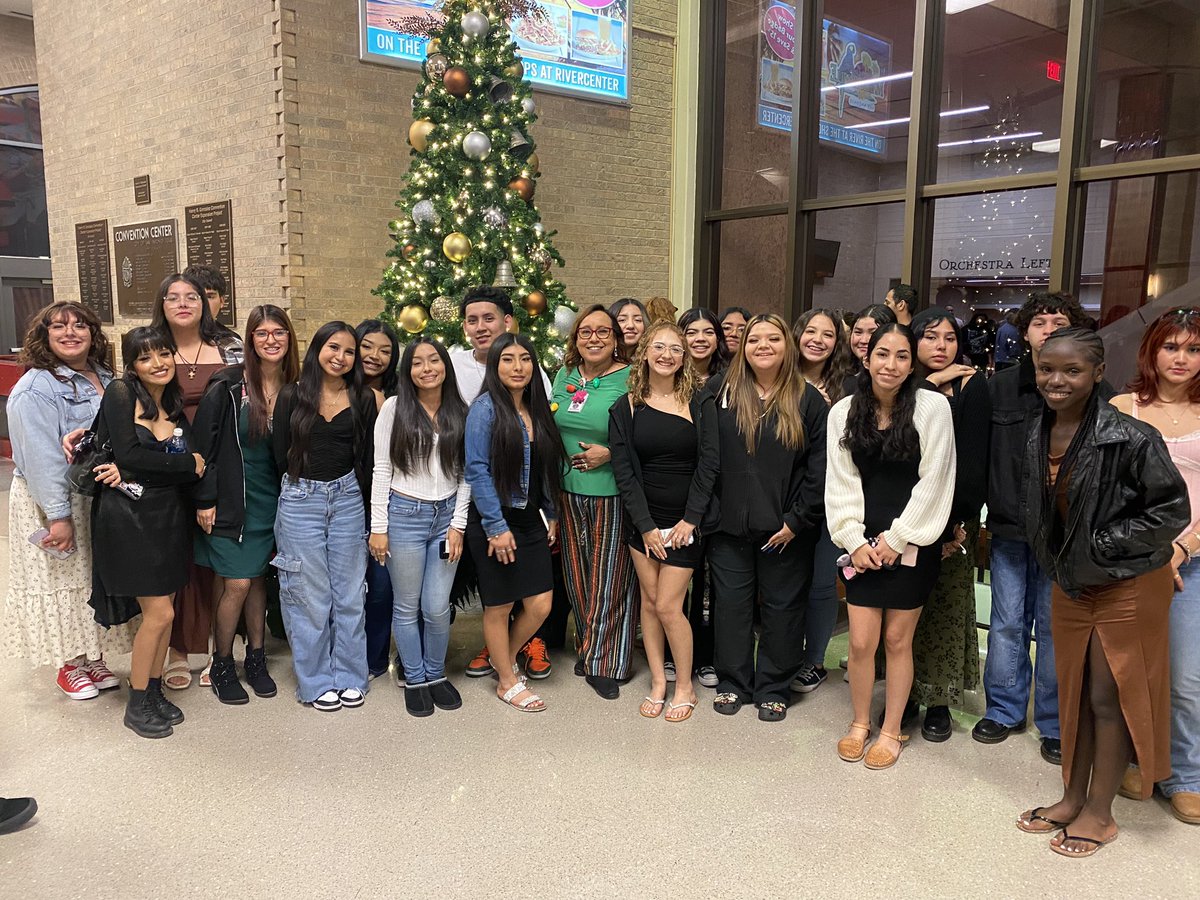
[(101, 675), (670, 670), (352, 697), (328, 702)]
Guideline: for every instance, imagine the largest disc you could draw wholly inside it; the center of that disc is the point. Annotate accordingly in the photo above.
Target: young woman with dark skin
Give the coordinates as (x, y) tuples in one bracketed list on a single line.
[(1103, 504)]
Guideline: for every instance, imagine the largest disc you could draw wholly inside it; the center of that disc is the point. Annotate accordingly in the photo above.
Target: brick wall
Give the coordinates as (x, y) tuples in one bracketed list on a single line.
[(17, 62)]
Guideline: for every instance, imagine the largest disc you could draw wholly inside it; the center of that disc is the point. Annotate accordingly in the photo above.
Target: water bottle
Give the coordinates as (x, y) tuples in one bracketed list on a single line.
[(177, 444)]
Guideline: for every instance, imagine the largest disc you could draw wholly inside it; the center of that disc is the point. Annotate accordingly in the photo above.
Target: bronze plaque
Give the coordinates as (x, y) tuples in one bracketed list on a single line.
[(208, 230), (95, 268), (146, 253), (141, 190)]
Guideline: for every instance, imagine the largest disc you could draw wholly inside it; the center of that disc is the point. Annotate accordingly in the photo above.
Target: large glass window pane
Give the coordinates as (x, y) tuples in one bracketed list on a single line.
[(1147, 87), (857, 256), (21, 116), (1002, 90), (866, 91), (754, 265)]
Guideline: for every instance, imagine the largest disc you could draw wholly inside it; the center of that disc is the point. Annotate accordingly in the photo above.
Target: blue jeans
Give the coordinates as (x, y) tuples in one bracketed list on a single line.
[(821, 614), (1020, 608), (421, 582), (1185, 686), (379, 617), (320, 532)]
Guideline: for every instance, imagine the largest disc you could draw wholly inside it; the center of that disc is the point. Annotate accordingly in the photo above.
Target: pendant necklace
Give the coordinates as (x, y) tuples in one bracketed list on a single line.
[(191, 366), (1165, 407)]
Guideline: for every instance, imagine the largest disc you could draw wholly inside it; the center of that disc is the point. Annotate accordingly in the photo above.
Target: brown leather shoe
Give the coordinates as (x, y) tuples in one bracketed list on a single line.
[(1131, 784), (853, 747), (879, 757), (1186, 807)]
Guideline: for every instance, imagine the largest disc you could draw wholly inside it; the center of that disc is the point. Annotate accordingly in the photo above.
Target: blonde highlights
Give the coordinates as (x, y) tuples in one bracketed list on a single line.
[(740, 394), (687, 380)]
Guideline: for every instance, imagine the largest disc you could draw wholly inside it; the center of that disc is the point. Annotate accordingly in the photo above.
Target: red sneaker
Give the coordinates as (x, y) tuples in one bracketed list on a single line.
[(535, 659), (75, 683), (481, 665), (102, 677)]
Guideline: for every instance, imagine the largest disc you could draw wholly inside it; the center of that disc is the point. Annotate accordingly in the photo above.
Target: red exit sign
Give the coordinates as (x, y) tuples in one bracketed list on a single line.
[(1054, 70)]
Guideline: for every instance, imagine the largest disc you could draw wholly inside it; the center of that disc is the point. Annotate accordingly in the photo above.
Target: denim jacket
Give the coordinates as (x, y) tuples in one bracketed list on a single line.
[(41, 410), (479, 471)]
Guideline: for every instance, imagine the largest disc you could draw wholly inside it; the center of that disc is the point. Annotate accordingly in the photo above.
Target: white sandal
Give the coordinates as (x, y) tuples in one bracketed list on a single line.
[(525, 705)]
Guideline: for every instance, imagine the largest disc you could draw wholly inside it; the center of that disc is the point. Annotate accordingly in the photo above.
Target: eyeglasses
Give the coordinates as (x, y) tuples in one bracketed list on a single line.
[(1187, 312), (733, 329), (63, 327), (673, 349), (604, 333), (185, 300), (262, 334)]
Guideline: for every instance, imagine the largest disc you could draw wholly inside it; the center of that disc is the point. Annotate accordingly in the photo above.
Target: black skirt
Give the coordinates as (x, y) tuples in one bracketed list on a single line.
[(529, 574)]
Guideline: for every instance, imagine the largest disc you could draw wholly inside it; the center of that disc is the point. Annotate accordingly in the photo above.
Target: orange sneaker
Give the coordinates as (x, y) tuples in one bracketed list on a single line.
[(535, 659), (481, 665)]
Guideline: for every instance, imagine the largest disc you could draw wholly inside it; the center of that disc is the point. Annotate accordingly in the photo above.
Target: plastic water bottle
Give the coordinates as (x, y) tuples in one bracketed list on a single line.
[(177, 444)]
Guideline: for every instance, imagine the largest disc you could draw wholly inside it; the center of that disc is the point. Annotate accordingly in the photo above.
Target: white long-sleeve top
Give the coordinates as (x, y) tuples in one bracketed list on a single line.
[(428, 483), (928, 509)]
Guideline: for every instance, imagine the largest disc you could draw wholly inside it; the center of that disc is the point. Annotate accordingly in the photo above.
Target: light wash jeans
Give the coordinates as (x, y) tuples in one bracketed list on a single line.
[(421, 582), (1185, 686), (1020, 608), (320, 533)]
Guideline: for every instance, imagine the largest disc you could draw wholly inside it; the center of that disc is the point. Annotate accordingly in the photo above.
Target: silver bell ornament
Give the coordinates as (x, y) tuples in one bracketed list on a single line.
[(500, 91), (528, 106), (518, 146), (423, 213), (494, 217), (564, 318), (477, 145), (504, 275), (476, 25)]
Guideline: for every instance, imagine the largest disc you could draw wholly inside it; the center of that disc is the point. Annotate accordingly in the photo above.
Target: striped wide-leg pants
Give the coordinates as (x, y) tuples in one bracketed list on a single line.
[(598, 572)]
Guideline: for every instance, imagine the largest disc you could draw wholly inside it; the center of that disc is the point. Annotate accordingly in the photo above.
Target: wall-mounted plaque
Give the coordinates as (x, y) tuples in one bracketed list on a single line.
[(141, 190), (145, 254), (95, 268), (208, 230)]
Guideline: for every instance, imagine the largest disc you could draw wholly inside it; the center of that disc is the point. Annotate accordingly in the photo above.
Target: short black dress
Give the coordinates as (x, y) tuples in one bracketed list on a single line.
[(887, 486), (666, 447), (531, 572)]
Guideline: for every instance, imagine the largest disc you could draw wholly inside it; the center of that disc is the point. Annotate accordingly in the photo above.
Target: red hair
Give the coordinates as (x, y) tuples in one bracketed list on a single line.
[(1144, 385)]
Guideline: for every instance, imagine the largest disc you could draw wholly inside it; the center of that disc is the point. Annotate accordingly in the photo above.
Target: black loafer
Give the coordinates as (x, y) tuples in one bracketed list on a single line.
[(417, 700), (1052, 751), (605, 687), (579, 670), (444, 695), (989, 731), (912, 710), (937, 726)]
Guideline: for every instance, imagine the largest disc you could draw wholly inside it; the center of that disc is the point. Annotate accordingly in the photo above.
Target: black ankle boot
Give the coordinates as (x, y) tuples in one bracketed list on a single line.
[(165, 708), (142, 718), (225, 682), (257, 677)]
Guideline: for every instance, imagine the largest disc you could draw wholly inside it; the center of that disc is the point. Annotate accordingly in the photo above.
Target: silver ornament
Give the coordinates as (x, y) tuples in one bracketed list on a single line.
[(539, 229), (436, 66), (540, 256), (475, 24), (424, 213), (493, 217), (429, 263), (477, 145), (443, 309), (564, 318), (528, 106)]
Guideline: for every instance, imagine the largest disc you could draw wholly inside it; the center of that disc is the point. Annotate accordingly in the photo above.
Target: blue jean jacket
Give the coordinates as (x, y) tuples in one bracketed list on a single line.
[(41, 411), (479, 470)]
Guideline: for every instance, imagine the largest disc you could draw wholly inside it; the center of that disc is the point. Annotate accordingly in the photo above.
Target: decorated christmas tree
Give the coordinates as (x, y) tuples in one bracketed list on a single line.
[(468, 214)]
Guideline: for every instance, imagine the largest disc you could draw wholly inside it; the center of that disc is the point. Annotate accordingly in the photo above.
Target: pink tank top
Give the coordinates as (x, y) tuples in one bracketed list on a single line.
[(1185, 453)]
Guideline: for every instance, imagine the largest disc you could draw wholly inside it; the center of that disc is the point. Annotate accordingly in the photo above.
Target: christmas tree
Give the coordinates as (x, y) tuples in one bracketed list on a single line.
[(468, 216)]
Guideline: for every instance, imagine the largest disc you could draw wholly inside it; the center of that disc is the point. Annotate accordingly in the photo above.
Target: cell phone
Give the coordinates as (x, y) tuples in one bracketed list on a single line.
[(846, 566), (40, 535), (443, 550)]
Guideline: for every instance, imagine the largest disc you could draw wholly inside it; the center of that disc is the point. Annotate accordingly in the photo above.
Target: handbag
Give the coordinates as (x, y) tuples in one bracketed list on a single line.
[(87, 455)]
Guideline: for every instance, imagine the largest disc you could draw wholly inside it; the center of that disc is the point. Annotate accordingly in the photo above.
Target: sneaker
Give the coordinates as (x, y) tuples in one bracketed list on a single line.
[(481, 665), (707, 677), (669, 668), (352, 697), (535, 660), (102, 677), (76, 683), (808, 679), (328, 702)]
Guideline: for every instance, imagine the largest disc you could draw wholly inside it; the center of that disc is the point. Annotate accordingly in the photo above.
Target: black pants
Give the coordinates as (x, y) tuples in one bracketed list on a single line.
[(702, 632), (554, 630), (741, 573)]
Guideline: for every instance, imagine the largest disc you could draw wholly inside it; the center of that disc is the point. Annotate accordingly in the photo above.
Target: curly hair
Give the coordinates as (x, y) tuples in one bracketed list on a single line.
[(1145, 383), (862, 434), (686, 378), (1042, 303), (35, 349), (571, 356)]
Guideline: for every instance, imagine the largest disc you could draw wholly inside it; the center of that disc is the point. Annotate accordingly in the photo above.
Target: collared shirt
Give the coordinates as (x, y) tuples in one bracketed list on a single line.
[(43, 407)]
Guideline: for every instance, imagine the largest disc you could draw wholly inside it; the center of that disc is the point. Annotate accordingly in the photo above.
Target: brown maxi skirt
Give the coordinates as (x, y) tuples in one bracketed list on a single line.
[(1130, 619)]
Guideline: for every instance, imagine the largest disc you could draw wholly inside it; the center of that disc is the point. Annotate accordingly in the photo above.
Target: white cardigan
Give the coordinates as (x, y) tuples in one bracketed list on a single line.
[(928, 509)]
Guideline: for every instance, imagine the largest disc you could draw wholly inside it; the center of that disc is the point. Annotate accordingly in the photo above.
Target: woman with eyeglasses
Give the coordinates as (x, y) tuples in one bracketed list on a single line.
[(597, 568), (733, 326), (236, 506)]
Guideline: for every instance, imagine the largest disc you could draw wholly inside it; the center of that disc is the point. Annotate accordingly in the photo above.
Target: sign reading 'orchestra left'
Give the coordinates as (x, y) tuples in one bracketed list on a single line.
[(145, 254)]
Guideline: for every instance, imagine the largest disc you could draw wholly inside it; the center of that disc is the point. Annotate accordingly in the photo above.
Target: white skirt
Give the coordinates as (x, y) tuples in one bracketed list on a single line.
[(47, 619)]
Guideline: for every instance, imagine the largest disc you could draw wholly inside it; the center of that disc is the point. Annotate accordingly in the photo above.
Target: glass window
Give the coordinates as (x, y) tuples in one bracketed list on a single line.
[(1147, 86), (1002, 91), (857, 256), (754, 265), (24, 224), (866, 92), (990, 250), (21, 116)]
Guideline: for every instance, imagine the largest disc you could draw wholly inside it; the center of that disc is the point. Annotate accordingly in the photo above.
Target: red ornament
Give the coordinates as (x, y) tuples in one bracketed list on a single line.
[(571, 388)]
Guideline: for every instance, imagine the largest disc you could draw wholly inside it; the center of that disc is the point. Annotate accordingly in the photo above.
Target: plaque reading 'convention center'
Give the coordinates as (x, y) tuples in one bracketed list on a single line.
[(208, 229), (146, 253), (95, 268)]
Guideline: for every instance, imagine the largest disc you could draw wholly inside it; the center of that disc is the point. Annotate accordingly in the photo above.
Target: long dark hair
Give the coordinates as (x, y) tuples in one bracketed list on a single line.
[(308, 400), (210, 331), (507, 444), (290, 369), (719, 361), (841, 361), (931, 318), (387, 384), (145, 339), (412, 431), (862, 434)]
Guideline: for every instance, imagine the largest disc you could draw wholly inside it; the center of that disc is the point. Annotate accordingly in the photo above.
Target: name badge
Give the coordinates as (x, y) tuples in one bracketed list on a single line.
[(578, 399)]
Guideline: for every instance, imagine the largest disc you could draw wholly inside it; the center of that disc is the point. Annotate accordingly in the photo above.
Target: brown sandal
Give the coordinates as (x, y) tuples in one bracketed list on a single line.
[(881, 758), (1033, 822), (853, 749)]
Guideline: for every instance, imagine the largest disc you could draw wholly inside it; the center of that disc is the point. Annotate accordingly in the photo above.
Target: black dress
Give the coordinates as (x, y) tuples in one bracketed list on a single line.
[(140, 548), (530, 573), (667, 451), (887, 485)]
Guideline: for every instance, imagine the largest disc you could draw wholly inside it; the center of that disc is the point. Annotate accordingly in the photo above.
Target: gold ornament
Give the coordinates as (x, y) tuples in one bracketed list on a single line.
[(523, 186), (434, 46), (516, 70), (456, 246), (444, 309), (413, 318), (533, 164), (535, 303), (418, 134)]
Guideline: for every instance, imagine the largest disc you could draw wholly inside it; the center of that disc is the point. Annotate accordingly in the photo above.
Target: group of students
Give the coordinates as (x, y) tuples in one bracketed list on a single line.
[(710, 479)]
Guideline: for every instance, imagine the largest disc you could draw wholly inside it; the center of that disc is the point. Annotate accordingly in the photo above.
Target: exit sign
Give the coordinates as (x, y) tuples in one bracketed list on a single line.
[(1054, 70)]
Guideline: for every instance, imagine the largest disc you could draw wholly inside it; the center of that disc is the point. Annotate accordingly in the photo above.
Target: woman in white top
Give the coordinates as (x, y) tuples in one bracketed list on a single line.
[(888, 490), (418, 514)]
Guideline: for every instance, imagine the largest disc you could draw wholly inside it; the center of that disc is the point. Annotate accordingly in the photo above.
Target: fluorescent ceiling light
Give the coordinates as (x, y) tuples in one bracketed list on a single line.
[(853, 84), (993, 140), (957, 6), (949, 113), (1052, 146)]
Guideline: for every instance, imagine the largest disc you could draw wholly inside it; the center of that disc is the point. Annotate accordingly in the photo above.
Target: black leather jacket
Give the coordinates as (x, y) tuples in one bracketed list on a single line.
[(1126, 504)]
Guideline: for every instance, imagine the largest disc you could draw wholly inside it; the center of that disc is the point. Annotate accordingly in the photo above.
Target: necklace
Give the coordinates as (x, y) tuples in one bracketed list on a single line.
[(191, 366), (584, 379), (1165, 407)]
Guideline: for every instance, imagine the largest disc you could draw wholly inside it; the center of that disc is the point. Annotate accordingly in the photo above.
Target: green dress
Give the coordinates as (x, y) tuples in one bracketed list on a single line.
[(249, 557)]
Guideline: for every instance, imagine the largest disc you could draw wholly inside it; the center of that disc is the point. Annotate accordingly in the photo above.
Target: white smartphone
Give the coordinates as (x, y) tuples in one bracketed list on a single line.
[(40, 535)]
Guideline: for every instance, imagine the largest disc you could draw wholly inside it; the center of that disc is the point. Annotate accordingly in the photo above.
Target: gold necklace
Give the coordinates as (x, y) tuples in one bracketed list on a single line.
[(191, 366), (1165, 407)]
